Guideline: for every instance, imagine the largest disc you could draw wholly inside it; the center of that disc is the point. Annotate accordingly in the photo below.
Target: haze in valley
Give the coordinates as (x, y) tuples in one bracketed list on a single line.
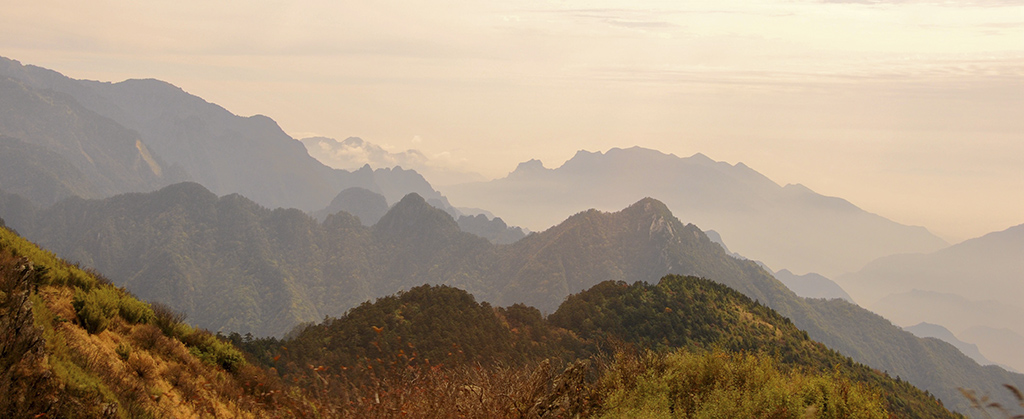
[(908, 109), (261, 165)]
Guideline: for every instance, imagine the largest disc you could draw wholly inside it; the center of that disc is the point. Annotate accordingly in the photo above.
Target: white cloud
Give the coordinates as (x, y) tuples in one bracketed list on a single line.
[(352, 153)]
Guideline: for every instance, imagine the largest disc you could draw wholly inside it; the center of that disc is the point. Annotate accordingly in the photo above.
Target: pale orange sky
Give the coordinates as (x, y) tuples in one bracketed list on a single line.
[(909, 109)]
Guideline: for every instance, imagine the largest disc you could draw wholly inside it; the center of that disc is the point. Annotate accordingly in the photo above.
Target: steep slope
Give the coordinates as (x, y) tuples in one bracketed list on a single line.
[(232, 265), (39, 174), (823, 234), (640, 243), (72, 345), (85, 154), (929, 363)]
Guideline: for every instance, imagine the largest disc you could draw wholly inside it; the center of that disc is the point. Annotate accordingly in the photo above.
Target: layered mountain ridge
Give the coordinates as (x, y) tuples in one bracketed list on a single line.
[(157, 127), (976, 283), (787, 227), (235, 266), (74, 345)]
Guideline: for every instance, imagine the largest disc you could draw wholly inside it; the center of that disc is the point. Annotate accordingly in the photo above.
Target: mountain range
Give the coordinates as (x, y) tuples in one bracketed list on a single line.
[(973, 284), (86, 166), (54, 148), (788, 227), (928, 330), (74, 345), (232, 265), (138, 135)]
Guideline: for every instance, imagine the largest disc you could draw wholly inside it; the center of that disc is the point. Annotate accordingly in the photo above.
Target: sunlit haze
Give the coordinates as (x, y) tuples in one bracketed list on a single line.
[(909, 109)]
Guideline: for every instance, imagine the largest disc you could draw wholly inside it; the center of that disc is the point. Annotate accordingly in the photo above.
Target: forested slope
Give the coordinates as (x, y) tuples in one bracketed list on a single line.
[(232, 265)]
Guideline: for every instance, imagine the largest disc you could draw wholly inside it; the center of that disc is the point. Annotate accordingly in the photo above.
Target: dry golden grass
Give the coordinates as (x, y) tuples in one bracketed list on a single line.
[(158, 378)]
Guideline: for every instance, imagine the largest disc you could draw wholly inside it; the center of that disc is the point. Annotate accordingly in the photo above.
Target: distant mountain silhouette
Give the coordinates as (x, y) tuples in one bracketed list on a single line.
[(788, 227), (987, 267), (151, 124), (362, 203), (233, 265), (370, 207), (973, 283), (812, 285), (809, 285), (999, 343), (493, 229), (960, 314), (928, 330)]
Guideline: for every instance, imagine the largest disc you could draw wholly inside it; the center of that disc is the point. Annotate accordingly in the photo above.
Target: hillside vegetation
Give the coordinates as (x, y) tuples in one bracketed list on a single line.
[(683, 345), (73, 345), (232, 265)]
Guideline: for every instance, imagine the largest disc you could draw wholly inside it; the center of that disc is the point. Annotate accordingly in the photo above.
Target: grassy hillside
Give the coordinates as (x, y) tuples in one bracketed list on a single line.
[(73, 345)]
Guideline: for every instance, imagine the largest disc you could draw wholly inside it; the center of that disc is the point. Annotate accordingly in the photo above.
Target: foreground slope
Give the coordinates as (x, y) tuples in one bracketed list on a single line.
[(235, 266), (697, 330), (72, 345)]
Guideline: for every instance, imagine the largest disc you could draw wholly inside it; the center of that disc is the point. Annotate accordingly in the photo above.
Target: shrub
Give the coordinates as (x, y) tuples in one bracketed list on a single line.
[(167, 319), (135, 311), (213, 351), (719, 384), (149, 337), (123, 351), (143, 366), (95, 308)]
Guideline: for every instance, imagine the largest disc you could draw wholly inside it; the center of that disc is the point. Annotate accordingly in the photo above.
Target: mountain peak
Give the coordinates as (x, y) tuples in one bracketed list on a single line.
[(363, 203), (582, 154), (414, 217), (411, 199), (634, 154), (650, 207), (532, 164), (528, 168), (701, 158), (188, 187)]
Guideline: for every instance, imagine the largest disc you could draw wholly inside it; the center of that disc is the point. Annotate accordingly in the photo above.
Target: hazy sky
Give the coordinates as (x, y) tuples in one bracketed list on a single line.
[(910, 109)]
